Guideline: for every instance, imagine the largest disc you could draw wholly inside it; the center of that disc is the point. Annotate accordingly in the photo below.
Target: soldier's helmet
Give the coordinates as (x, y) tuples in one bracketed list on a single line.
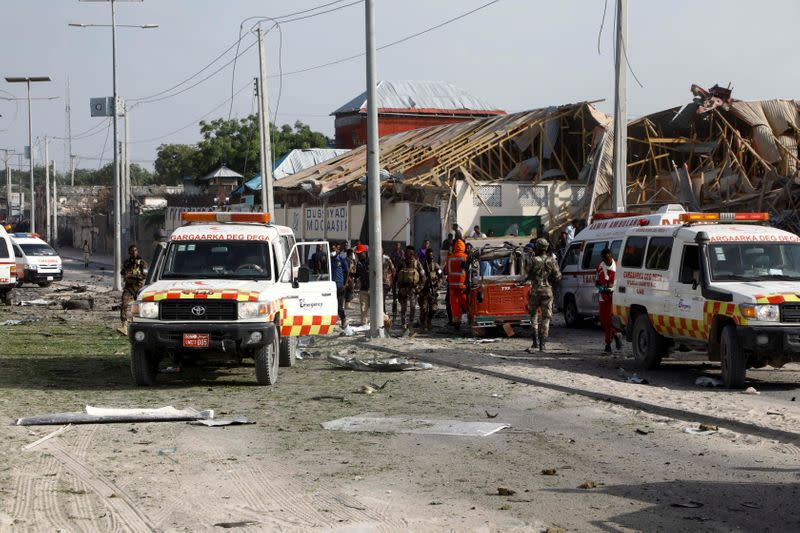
[(542, 244)]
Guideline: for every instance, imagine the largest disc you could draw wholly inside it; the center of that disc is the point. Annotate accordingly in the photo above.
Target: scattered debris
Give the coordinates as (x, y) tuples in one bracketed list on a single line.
[(700, 431), (708, 427), (643, 431), (706, 381), (80, 304), (11, 323), (750, 390), (392, 364), (402, 424), (509, 330), (691, 504), (49, 436), (336, 398), (72, 288), (497, 395), (38, 301), (555, 529), (750, 505), (637, 380), (490, 415), (482, 341), (435, 503), (231, 525), (366, 389), (237, 421), (549, 472), (502, 491), (311, 355), (167, 451), (505, 507), (170, 370), (588, 485), (100, 415)]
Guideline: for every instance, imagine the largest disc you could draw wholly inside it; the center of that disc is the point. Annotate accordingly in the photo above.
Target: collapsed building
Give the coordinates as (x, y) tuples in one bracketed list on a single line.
[(519, 173), (715, 153)]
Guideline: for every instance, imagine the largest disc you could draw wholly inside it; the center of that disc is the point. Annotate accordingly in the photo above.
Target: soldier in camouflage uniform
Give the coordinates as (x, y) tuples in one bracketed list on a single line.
[(543, 272), (134, 272), (430, 291), (410, 280)]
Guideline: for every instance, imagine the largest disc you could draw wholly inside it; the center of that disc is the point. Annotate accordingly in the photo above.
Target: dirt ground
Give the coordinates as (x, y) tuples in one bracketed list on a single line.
[(642, 470)]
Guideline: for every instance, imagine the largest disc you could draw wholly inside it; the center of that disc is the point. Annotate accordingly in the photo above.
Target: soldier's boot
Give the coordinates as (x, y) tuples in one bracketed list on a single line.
[(428, 325), (123, 329), (542, 340), (534, 342)]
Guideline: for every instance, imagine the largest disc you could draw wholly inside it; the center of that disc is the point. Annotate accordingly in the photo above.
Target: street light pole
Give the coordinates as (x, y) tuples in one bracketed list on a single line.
[(373, 185), (47, 232), (27, 81), (267, 196), (620, 156), (6, 156)]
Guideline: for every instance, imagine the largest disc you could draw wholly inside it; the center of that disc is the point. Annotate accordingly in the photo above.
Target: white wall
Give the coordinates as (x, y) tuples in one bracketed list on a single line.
[(469, 215)]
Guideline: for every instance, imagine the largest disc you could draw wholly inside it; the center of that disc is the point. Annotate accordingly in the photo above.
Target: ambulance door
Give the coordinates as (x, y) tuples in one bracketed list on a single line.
[(588, 297), (686, 301), (307, 297), (570, 268)]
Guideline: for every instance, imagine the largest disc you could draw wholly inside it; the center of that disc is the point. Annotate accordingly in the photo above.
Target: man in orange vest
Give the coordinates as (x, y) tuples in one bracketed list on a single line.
[(457, 282)]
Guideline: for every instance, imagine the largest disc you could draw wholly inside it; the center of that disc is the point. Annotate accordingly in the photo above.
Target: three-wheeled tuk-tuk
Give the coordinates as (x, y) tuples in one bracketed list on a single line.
[(496, 269)]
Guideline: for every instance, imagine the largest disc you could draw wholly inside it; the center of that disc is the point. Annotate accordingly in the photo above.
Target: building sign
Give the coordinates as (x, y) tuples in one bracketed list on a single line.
[(326, 220)]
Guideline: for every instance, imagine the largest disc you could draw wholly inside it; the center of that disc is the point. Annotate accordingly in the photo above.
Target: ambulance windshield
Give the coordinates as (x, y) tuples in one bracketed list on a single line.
[(217, 260), (754, 261)]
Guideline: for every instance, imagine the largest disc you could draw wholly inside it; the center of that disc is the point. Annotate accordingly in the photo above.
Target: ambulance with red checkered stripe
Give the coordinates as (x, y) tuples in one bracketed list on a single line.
[(725, 283), (231, 286), (8, 267)]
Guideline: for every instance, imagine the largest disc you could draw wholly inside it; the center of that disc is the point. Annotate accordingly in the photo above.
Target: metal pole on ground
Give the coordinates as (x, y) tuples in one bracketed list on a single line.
[(373, 185)]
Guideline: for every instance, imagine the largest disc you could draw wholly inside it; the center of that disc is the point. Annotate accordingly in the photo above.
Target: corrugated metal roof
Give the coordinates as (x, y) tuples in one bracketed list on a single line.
[(295, 161), (420, 96), (221, 172)]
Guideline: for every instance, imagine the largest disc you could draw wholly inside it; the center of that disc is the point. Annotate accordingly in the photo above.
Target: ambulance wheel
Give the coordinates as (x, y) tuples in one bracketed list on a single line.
[(5, 297), (144, 367), (289, 347), (734, 362), (571, 316), (647, 344), (267, 358)]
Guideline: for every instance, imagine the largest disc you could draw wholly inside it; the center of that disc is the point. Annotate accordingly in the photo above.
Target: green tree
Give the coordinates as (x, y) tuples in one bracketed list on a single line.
[(175, 162), (234, 143)]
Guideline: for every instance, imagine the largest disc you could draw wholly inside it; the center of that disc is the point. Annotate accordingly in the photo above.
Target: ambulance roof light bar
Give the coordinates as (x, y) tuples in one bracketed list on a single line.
[(225, 216), (688, 218)]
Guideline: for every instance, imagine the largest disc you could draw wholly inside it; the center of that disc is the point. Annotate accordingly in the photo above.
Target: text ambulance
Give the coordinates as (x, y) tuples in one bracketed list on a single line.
[(717, 281), (230, 285)]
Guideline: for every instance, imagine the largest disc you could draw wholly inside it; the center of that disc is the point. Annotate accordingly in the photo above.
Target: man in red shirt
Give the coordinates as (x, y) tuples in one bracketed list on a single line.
[(606, 272)]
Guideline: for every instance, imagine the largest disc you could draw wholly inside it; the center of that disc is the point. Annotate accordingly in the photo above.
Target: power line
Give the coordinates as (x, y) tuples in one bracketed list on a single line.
[(393, 43), (192, 123), (236, 44), (105, 143)]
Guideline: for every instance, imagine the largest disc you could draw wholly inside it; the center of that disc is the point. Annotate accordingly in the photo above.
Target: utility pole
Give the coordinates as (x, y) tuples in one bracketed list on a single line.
[(267, 196), (126, 172), (72, 170), (620, 159), (47, 231), (6, 156), (373, 185), (68, 127), (21, 201), (54, 240)]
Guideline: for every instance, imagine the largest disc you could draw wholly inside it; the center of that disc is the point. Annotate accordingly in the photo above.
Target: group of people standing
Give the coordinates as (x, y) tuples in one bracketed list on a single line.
[(411, 276)]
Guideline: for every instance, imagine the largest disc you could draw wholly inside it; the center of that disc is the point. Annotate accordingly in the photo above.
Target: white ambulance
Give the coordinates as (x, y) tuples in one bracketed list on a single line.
[(230, 285), (8, 267), (577, 295), (37, 261), (722, 282)]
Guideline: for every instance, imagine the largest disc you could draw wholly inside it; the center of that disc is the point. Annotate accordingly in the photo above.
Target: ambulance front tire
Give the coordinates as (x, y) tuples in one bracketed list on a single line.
[(734, 362), (267, 359), (648, 345), (289, 347), (571, 316), (144, 367)]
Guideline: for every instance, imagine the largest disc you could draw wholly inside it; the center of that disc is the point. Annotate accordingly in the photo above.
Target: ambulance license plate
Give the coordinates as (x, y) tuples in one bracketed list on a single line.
[(196, 340), (49, 278)]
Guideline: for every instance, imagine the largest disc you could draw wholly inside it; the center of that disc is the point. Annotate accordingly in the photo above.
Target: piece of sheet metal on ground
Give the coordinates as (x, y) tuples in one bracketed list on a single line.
[(102, 415), (421, 426), (392, 364)]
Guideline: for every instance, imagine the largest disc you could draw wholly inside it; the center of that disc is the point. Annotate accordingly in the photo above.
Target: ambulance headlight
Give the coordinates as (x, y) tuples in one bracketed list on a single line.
[(764, 313), (252, 310), (145, 309)]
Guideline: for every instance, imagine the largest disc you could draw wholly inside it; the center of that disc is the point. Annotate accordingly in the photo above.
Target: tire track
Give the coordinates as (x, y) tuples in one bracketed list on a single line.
[(262, 496), (24, 489), (48, 489), (86, 507), (118, 502)]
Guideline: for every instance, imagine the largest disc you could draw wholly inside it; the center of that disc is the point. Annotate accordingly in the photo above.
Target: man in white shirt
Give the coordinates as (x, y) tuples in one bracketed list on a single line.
[(476, 234)]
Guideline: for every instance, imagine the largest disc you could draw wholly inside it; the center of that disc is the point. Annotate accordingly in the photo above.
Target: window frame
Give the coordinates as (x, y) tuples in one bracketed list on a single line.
[(643, 252), (590, 248), (650, 241)]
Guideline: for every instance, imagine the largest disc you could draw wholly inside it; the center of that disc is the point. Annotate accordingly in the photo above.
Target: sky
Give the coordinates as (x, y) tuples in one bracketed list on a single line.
[(513, 54)]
